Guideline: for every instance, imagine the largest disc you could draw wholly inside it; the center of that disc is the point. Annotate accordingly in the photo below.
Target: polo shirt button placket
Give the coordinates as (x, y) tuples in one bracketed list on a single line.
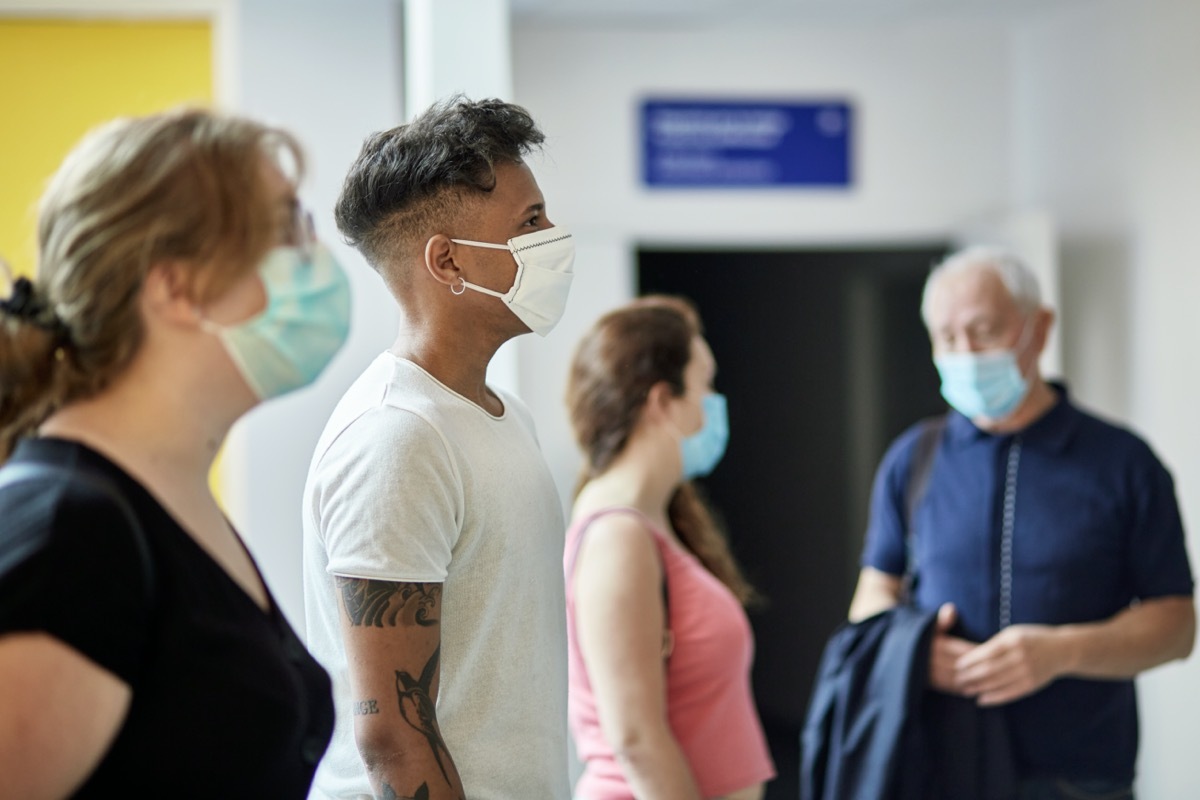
[(1007, 530)]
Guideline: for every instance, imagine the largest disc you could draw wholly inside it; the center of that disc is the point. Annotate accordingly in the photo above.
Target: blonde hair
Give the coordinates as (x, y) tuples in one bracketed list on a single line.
[(186, 187)]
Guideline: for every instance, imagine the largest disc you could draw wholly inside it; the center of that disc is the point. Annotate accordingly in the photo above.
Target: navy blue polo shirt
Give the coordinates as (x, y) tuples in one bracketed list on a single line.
[(1093, 526)]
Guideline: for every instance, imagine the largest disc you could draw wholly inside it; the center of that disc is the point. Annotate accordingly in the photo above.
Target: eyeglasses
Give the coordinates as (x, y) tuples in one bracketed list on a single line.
[(299, 231), (7, 278)]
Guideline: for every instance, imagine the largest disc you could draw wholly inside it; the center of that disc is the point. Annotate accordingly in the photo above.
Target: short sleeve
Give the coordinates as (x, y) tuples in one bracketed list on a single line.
[(70, 566), (885, 548), (1157, 547), (387, 499)]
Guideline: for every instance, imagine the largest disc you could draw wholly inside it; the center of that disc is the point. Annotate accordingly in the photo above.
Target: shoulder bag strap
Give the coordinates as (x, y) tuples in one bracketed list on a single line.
[(919, 470)]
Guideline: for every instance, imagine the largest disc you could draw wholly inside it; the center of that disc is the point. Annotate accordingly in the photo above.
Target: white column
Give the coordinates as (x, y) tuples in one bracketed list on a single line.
[(453, 46), (456, 46)]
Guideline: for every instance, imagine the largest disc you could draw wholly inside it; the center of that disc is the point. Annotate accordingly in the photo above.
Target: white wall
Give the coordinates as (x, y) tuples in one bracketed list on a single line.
[(932, 151), (1107, 114), (330, 73)]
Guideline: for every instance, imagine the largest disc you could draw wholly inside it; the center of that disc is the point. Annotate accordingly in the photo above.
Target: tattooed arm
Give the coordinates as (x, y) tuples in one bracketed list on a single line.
[(392, 633)]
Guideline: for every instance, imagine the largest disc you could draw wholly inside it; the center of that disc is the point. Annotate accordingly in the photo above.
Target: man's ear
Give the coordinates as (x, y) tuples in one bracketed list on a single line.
[(166, 295), (439, 261), (1044, 323)]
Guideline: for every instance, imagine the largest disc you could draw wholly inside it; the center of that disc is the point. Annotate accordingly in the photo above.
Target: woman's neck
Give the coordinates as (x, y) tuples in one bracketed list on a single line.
[(163, 433), (644, 476)]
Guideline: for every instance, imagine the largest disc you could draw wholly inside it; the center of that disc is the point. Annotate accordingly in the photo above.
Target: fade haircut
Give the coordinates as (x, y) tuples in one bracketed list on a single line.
[(415, 180)]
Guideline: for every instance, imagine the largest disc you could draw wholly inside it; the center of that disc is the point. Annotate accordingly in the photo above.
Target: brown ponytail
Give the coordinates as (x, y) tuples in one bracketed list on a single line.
[(618, 361)]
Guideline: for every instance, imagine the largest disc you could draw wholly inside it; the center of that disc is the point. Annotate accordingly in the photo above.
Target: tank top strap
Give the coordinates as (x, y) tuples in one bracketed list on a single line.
[(661, 544), (582, 526)]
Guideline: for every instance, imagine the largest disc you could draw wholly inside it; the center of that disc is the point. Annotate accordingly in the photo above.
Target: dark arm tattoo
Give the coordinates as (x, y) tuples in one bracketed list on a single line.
[(390, 794), (379, 603), (417, 708)]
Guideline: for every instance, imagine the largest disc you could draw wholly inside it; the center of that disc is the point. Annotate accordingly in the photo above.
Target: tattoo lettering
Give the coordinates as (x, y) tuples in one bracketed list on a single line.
[(390, 794), (417, 708), (379, 603), (364, 707)]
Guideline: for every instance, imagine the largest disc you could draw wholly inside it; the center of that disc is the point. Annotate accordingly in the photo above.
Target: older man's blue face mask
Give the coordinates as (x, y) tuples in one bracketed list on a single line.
[(985, 384)]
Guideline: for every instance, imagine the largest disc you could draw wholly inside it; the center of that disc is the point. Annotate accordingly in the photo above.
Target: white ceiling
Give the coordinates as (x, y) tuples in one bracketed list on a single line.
[(705, 13)]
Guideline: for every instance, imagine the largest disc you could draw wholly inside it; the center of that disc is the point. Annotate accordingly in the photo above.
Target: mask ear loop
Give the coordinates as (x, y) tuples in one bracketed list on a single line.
[(462, 287)]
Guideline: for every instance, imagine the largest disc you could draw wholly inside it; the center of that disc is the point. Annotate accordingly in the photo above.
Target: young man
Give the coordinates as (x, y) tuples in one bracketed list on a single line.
[(1049, 540), (433, 531)]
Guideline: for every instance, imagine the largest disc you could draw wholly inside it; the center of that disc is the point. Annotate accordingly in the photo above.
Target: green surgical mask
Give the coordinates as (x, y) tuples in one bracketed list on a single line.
[(305, 323)]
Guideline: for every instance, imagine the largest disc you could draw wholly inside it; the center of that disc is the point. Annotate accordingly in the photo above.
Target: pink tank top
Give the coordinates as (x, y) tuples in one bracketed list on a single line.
[(710, 706)]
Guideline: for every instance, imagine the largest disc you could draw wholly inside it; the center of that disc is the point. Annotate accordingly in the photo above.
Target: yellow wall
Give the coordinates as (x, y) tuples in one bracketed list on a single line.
[(58, 78)]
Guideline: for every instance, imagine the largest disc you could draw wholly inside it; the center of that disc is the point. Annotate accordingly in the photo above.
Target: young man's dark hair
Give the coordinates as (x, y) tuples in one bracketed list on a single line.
[(416, 179)]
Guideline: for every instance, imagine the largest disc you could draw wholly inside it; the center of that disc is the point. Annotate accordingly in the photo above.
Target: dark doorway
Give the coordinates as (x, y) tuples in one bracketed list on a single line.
[(824, 359)]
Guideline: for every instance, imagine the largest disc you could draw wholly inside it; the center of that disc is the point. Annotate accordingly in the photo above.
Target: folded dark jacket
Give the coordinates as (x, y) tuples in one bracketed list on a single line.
[(875, 731)]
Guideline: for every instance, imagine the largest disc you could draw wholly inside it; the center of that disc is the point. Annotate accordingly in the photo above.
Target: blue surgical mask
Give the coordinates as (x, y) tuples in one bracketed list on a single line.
[(702, 450), (988, 384), (305, 323)]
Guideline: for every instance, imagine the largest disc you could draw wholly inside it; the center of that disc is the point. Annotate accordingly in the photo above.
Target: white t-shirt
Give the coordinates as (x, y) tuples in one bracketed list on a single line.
[(411, 482)]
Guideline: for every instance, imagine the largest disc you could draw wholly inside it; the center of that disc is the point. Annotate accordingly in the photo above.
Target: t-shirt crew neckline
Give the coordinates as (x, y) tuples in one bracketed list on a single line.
[(443, 387), (53, 449)]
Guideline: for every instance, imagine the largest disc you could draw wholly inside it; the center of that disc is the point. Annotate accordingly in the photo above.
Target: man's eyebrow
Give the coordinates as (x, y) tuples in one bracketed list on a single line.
[(534, 207), (983, 321)]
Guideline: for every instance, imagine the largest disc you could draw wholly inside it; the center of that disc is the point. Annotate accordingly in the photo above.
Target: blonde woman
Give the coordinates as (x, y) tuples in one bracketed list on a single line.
[(141, 654), (660, 648)]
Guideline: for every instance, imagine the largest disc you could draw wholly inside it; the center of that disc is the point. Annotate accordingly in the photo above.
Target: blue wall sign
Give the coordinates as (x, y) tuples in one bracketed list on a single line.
[(693, 143)]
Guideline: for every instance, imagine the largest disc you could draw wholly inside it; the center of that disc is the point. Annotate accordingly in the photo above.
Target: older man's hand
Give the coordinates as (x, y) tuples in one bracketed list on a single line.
[(1014, 663), (946, 651)]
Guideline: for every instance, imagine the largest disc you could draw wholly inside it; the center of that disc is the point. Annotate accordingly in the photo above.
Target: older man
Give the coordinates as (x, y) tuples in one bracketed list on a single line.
[(1049, 540), (433, 532)]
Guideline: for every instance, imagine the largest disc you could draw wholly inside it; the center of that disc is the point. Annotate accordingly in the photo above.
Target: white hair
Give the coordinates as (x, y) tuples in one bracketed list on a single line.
[(1013, 273)]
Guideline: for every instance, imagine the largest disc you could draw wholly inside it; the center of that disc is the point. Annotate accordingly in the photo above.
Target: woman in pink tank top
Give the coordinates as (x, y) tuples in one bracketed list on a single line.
[(660, 703)]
